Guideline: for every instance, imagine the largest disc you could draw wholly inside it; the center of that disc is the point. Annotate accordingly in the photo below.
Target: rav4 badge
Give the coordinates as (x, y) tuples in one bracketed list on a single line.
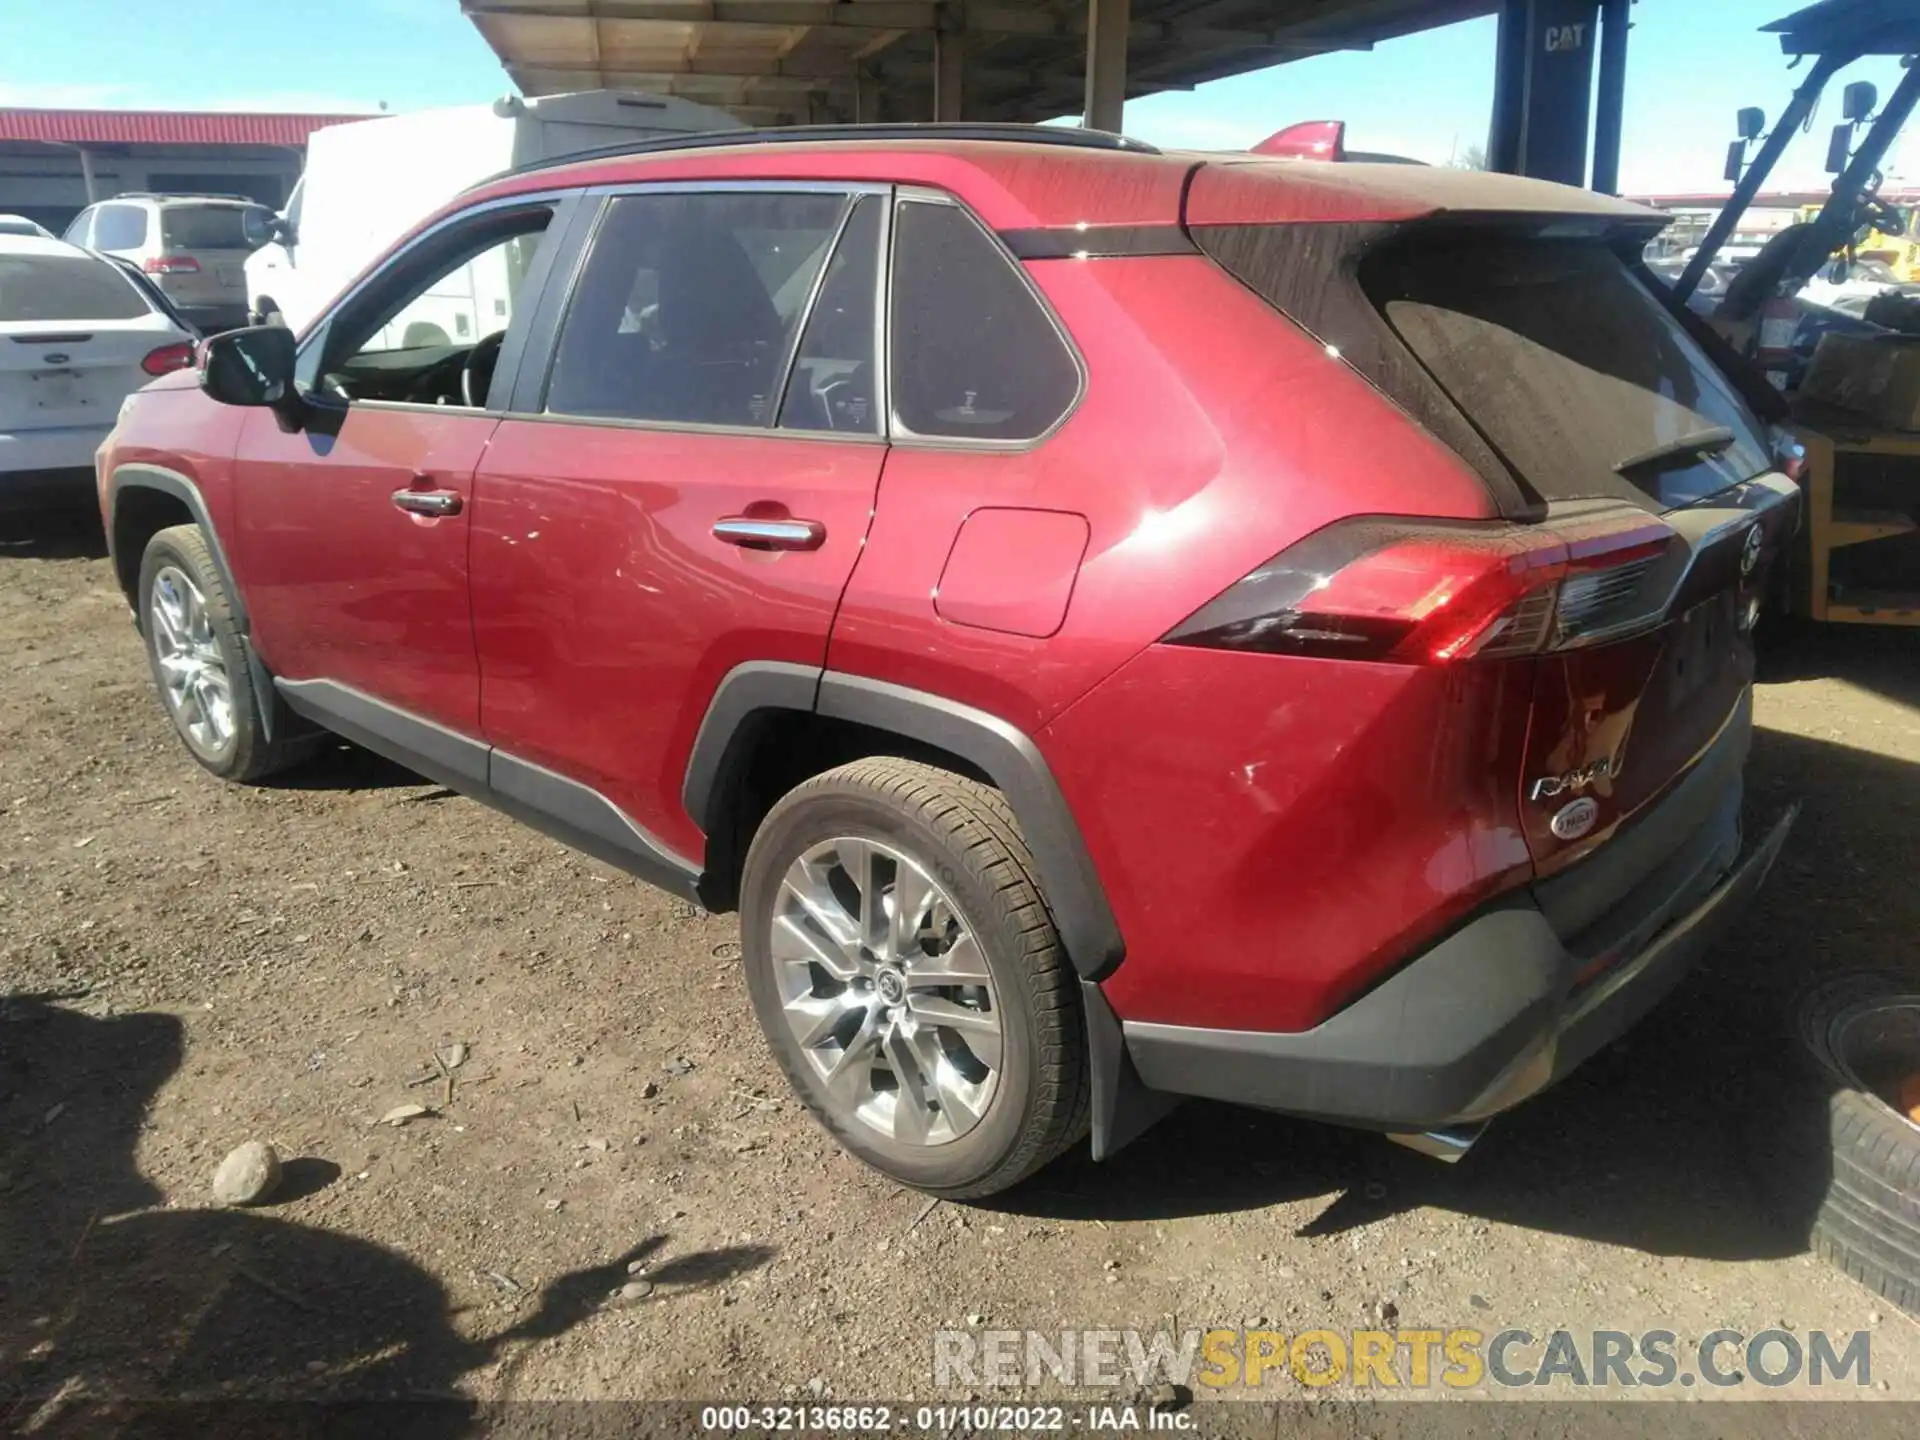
[(1573, 821)]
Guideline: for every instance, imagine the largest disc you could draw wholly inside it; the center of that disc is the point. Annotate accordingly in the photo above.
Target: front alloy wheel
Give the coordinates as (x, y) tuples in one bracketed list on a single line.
[(188, 663), (199, 662)]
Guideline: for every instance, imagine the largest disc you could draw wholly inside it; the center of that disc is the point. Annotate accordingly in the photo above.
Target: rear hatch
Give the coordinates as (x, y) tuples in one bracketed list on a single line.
[(1619, 451), (203, 254), (73, 334)]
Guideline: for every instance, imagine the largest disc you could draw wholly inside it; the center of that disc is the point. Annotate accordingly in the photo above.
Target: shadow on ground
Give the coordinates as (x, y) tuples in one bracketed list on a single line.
[(107, 1299), (68, 533), (1647, 1145), (341, 765), (1882, 658)]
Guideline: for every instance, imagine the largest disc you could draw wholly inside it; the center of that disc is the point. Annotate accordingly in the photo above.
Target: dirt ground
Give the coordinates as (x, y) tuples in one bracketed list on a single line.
[(187, 965)]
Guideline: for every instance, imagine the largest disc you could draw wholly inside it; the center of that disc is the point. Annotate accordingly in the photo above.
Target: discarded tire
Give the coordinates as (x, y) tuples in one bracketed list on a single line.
[(1837, 1156)]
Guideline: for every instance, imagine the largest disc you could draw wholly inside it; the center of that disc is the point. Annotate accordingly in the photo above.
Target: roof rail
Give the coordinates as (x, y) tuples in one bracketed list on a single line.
[(1005, 132), (182, 195)]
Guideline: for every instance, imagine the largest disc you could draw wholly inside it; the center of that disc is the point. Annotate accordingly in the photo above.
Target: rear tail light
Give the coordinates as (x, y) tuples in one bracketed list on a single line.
[(1426, 592), (168, 358), (172, 265)]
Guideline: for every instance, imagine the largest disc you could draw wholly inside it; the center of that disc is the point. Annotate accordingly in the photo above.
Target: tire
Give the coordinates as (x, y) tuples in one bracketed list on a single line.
[(959, 837), (1841, 1163), (252, 744)]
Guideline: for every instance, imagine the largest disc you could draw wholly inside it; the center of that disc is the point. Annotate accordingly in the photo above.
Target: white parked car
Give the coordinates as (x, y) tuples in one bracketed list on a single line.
[(1850, 285), (369, 182), (77, 336), (21, 225)]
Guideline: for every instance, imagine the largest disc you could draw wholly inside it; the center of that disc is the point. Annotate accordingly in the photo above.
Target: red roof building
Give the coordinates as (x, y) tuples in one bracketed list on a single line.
[(161, 127), (55, 162)]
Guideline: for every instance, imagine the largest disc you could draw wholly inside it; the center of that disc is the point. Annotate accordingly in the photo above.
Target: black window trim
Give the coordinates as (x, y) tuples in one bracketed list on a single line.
[(564, 203), (530, 400), (898, 432)]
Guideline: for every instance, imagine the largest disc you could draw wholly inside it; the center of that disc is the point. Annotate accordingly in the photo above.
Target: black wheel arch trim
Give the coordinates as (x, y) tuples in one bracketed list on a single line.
[(140, 475), (742, 693), (1001, 751)]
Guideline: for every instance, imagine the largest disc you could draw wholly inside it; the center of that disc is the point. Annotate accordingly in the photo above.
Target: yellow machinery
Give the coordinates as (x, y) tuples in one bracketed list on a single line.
[(1860, 560)]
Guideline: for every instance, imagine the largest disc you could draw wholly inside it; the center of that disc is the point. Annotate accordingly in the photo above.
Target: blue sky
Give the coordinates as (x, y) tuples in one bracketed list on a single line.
[(1693, 63)]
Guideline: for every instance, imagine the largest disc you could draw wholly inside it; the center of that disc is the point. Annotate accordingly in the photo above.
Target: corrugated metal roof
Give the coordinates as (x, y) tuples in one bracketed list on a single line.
[(161, 127), (791, 61)]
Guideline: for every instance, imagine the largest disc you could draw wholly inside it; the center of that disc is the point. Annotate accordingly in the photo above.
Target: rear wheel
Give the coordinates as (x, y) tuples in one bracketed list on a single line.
[(200, 665), (909, 979)]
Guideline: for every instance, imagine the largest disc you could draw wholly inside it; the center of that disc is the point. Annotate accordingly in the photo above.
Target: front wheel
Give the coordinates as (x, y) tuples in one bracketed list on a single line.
[(200, 665), (909, 979)]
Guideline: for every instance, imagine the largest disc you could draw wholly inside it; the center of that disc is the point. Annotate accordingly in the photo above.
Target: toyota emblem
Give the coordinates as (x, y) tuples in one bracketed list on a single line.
[(1750, 551)]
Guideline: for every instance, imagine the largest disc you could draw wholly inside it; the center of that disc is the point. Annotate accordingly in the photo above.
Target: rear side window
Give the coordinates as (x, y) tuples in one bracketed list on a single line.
[(119, 227), (688, 305), (974, 354), (1569, 367), (832, 383), (203, 227), (59, 288)]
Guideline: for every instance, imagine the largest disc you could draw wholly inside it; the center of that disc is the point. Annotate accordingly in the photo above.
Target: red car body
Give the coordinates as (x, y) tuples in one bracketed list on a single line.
[(1264, 843)]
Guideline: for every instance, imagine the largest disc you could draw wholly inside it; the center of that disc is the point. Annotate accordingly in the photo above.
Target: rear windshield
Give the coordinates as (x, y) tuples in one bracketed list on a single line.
[(65, 287), (1583, 382), (203, 227)]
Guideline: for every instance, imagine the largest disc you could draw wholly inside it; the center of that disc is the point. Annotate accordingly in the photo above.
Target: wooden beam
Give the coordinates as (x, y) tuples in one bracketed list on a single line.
[(898, 15)]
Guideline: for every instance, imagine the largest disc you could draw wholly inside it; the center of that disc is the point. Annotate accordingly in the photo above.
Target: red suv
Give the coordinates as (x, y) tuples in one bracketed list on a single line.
[(1117, 625)]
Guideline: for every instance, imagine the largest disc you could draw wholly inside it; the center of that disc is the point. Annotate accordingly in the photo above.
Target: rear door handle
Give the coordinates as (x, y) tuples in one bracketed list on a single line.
[(428, 502), (752, 534)]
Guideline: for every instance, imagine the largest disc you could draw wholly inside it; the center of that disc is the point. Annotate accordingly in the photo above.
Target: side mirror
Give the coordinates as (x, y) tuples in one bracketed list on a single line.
[(1839, 147), (259, 225), (1752, 120), (1858, 101), (249, 367)]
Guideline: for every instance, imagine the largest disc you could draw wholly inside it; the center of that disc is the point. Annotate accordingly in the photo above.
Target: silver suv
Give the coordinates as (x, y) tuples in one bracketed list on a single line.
[(194, 246)]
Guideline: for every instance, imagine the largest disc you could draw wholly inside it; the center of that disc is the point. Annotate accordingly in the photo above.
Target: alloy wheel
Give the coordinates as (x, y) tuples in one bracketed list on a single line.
[(192, 671), (886, 992)]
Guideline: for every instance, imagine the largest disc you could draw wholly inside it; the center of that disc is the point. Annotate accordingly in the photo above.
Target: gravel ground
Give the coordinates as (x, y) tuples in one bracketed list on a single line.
[(188, 965)]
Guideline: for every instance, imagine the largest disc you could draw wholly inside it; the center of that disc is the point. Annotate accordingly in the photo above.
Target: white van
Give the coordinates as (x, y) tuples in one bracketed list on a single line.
[(368, 182)]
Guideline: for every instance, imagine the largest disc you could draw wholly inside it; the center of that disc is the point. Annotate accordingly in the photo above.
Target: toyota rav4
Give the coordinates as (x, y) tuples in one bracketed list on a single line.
[(1116, 625)]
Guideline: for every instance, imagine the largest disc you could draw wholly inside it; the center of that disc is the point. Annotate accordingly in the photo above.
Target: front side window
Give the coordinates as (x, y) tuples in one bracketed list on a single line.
[(429, 329), (77, 231), (687, 307), (119, 227), (974, 354)]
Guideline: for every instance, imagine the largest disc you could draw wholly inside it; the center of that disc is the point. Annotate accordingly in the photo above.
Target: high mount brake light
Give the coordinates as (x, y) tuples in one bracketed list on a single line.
[(1430, 592)]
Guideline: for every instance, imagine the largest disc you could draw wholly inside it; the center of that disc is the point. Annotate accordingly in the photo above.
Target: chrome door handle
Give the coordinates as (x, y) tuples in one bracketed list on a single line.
[(751, 534), (428, 502)]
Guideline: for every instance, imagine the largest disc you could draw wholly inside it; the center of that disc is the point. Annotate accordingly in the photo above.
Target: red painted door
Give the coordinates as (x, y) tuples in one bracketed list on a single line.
[(342, 584), (607, 606)]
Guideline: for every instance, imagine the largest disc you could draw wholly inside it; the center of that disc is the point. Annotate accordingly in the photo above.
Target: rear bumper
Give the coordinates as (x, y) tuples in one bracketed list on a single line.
[(23, 452), (1497, 1011)]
